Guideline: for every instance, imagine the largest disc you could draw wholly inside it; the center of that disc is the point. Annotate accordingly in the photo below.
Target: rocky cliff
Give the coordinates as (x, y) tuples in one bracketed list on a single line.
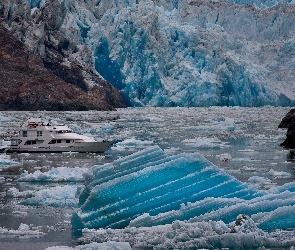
[(39, 68), (289, 122)]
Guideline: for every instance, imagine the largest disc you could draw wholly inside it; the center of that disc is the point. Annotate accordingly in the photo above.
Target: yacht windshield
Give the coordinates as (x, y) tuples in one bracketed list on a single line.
[(15, 142), (64, 131)]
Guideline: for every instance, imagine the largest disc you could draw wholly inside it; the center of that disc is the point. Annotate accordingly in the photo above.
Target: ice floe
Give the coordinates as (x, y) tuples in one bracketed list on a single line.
[(23, 230), (131, 143), (205, 143), (279, 174), (61, 196), (59, 174), (225, 157), (109, 245), (6, 161)]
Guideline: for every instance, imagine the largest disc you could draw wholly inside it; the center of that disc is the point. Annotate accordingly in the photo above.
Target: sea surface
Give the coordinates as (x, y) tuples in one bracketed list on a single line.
[(244, 142)]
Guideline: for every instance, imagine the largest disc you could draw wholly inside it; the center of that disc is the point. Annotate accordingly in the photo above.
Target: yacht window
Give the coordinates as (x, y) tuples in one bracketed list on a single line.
[(30, 142), (52, 142), (58, 141), (39, 133), (25, 133), (68, 141)]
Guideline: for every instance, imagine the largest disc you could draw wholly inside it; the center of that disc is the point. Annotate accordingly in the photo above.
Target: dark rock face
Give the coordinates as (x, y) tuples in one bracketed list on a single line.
[(288, 119), (289, 122), (27, 85), (39, 69)]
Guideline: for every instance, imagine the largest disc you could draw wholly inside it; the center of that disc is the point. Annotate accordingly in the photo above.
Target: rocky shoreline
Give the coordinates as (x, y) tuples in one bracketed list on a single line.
[(289, 122)]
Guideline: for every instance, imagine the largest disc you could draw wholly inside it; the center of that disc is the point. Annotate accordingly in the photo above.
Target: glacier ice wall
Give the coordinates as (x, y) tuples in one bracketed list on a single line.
[(189, 53), (150, 188)]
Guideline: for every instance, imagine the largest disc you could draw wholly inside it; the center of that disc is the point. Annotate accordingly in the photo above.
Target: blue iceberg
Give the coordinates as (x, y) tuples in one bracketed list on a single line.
[(151, 188)]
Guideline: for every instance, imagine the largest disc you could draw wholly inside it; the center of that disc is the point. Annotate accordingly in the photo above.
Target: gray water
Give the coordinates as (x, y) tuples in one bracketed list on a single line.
[(249, 137)]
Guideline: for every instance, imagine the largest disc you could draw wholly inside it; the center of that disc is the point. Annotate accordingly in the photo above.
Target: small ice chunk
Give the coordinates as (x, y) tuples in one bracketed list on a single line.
[(13, 192), (225, 157), (206, 143), (109, 245), (60, 174), (248, 169), (60, 196), (107, 127), (278, 174), (258, 179), (244, 224), (23, 227), (131, 143)]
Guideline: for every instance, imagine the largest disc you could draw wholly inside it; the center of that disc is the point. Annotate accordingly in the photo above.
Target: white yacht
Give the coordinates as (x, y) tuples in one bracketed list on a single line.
[(38, 137)]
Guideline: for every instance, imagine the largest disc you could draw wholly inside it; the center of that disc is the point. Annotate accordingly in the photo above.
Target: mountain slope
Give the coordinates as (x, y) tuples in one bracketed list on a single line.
[(31, 80), (27, 85)]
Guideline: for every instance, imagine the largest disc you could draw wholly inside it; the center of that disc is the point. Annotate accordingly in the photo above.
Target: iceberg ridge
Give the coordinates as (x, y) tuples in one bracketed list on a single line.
[(150, 188)]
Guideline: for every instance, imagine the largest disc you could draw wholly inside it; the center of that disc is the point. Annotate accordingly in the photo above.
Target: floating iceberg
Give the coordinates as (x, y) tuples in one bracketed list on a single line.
[(152, 199), (6, 161), (206, 143), (61, 196), (131, 143), (110, 245), (59, 174), (179, 200), (23, 230), (150, 188)]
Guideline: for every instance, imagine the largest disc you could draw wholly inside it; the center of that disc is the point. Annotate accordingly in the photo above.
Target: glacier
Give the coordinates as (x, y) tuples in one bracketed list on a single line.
[(188, 53), (150, 188)]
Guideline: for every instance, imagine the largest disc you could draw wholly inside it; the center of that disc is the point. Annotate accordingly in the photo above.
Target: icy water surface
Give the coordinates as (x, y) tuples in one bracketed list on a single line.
[(244, 142)]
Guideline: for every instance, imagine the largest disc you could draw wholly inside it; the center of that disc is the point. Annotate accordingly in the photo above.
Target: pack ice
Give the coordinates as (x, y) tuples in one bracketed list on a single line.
[(150, 188)]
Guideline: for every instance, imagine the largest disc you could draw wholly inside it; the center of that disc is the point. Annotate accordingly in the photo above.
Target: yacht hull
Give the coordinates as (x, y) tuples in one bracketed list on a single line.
[(83, 147)]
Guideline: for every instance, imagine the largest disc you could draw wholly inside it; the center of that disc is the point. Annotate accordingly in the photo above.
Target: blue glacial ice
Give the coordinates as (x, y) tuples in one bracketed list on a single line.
[(150, 188), (187, 53), (192, 54)]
